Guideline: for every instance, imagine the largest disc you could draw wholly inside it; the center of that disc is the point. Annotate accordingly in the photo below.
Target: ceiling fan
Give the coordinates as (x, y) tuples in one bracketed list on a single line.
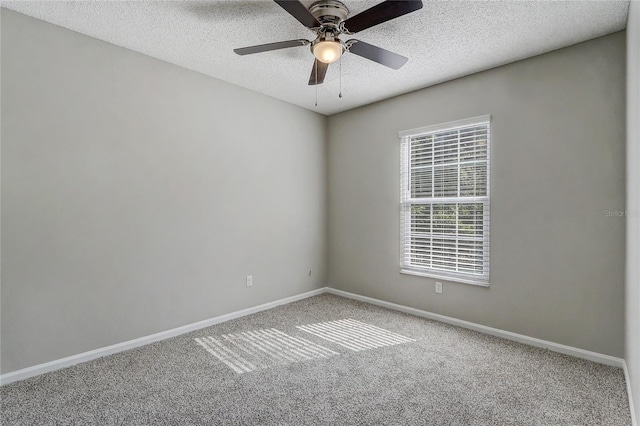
[(328, 19)]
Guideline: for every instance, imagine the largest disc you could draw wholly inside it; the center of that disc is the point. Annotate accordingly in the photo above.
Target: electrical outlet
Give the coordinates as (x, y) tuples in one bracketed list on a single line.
[(249, 280), (438, 287)]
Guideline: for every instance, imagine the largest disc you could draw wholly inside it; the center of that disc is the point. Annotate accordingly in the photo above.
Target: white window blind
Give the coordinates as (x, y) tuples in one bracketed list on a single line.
[(445, 201)]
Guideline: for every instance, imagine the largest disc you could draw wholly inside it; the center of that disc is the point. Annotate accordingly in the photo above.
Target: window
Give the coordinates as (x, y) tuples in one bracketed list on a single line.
[(445, 201)]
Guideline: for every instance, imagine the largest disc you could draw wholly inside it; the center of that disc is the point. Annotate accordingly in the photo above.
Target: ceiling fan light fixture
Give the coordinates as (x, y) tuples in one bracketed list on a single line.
[(327, 51)]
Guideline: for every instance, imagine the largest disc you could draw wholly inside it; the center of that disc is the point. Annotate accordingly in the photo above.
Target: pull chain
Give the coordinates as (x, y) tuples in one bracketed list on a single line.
[(340, 94), (315, 66)]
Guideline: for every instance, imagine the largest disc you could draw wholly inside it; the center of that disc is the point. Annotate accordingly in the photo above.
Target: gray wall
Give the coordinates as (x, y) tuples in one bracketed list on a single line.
[(558, 162), (137, 195), (632, 354)]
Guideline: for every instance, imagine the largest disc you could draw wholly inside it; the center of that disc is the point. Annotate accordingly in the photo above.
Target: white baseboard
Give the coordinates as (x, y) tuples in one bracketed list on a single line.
[(36, 370), (57, 364), (627, 379), (521, 338)]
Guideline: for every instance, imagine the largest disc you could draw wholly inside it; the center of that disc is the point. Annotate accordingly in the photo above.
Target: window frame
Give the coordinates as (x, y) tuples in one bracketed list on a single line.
[(406, 202)]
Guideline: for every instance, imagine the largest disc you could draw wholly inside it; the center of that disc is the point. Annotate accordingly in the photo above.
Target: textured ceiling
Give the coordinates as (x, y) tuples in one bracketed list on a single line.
[(443, 40)]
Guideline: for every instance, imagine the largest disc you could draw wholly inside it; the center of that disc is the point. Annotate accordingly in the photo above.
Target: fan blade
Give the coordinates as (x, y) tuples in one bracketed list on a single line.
[(321, 69), (271, 46), (376, 54), (380, 13), (300, 12)]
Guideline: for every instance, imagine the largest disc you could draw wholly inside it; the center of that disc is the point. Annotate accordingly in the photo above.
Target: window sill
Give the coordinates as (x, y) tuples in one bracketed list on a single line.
[(445, 277)]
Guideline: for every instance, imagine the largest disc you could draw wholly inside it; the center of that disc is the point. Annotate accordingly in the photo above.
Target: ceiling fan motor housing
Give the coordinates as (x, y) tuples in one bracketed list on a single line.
[(329, 13)]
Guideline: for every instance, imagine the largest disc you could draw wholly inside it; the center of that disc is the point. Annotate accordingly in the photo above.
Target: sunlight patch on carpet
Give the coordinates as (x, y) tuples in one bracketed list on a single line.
[(255, 350), (355, 335)]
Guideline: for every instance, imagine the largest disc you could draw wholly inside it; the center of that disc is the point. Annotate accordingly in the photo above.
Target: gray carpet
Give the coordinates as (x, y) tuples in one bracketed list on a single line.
[(363, 365)]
